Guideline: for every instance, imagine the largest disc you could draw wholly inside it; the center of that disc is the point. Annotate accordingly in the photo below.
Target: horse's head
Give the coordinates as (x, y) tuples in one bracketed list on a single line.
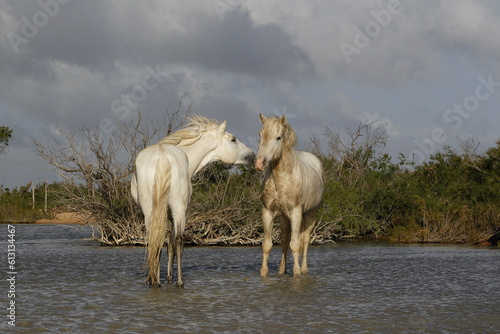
[(230, 150), (276, 135)]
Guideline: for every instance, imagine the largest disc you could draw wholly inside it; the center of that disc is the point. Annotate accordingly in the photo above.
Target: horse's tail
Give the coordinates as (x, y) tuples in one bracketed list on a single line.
[(158, 224)]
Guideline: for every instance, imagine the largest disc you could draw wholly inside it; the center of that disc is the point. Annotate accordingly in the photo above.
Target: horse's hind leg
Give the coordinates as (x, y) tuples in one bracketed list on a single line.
[(285, 242), (179, 223), (171, 254), (308, 223), (179, 248)]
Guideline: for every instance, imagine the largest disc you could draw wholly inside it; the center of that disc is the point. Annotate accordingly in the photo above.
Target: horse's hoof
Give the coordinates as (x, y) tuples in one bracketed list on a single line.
[(180, 284), (263, 272), (170, 279), (155, 285), (282, 267)]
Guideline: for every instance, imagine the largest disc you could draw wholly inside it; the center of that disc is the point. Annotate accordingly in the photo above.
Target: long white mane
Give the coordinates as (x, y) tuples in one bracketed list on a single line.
[(192, 132)]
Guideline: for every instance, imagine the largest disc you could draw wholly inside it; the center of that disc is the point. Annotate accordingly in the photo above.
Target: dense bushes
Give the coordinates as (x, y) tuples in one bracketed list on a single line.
[(452, 198), (16, 205)]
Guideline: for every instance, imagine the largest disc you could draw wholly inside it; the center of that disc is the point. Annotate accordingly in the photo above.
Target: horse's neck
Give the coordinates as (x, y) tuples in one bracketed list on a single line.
[(286, 163), (198, 155)]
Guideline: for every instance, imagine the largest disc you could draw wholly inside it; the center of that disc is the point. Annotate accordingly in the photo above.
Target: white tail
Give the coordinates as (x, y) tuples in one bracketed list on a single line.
[(158, 225)]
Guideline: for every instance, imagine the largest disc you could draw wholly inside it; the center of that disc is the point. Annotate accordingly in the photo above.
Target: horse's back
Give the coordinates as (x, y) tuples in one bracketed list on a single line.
[(312, 179), (145, 163), (312, 162), (146, 168)]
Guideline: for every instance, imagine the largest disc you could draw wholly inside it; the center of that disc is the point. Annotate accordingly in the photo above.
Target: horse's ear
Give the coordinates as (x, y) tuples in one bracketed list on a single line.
[(222, 127), (262, 118), (283, 120)]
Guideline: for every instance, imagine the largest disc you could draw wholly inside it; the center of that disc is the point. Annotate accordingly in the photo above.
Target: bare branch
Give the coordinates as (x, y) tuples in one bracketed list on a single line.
[(355, 151), (469, 147)]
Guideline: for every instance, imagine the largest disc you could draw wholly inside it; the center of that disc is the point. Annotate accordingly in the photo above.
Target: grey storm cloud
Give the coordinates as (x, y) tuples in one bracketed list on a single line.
[(237, 45), (88, 34), (86, 51)]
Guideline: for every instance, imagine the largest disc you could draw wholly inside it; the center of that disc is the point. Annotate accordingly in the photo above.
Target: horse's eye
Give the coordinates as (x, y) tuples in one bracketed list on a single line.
[(278, 138), (234, 139)]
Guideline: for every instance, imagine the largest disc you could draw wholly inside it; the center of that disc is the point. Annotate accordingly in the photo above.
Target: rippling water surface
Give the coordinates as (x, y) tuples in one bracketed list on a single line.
[(66, 283)]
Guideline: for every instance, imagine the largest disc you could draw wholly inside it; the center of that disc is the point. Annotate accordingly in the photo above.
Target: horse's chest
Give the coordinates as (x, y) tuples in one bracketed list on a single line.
[(279, 199), (271, 202)]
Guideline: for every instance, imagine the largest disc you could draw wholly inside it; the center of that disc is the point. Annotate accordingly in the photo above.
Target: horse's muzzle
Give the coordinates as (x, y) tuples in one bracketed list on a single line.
[(249, 159), (260, 163)]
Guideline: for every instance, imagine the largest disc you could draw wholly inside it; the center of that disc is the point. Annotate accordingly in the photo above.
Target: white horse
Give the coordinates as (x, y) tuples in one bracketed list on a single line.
[(162, 181), (292, 189)]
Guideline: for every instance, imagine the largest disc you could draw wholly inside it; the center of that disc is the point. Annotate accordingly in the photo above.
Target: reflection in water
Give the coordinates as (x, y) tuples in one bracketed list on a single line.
[(67, 283)]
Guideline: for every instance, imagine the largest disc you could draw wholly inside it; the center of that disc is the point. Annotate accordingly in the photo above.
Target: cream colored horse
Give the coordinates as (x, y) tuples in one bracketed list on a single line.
[(292, 190), (162, 181)]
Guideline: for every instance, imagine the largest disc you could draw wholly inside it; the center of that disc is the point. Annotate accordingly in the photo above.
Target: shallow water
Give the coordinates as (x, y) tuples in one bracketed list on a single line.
[(65, 283)]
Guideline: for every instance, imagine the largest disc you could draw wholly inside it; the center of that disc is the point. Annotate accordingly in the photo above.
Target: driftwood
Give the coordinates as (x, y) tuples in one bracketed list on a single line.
[(495, 238)]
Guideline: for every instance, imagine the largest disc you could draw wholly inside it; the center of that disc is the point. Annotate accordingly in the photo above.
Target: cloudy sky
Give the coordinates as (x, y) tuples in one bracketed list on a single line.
[(427, 70)]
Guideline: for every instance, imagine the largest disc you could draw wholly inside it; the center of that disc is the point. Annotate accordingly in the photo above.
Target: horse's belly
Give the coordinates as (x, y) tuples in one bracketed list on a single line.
[(313, 197), (313, 202)]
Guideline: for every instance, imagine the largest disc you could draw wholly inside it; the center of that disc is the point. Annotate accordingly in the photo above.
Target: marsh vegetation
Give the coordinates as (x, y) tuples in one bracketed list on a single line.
[(453, 197)]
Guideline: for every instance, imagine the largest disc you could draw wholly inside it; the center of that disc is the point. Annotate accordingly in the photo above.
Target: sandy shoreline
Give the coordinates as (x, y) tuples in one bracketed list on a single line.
[(62, 218)]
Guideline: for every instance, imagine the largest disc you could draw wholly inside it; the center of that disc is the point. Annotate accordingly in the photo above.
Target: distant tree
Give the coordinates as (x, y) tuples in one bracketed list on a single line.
[(5, 135)]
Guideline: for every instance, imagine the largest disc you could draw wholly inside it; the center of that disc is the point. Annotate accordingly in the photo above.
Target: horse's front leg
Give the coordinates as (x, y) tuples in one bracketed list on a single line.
[(267, 244), (295, 225), (285, 240)]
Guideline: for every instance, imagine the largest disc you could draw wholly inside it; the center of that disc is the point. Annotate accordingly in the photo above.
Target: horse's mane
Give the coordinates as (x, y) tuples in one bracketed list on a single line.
[(192, 132), (290, 136)]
